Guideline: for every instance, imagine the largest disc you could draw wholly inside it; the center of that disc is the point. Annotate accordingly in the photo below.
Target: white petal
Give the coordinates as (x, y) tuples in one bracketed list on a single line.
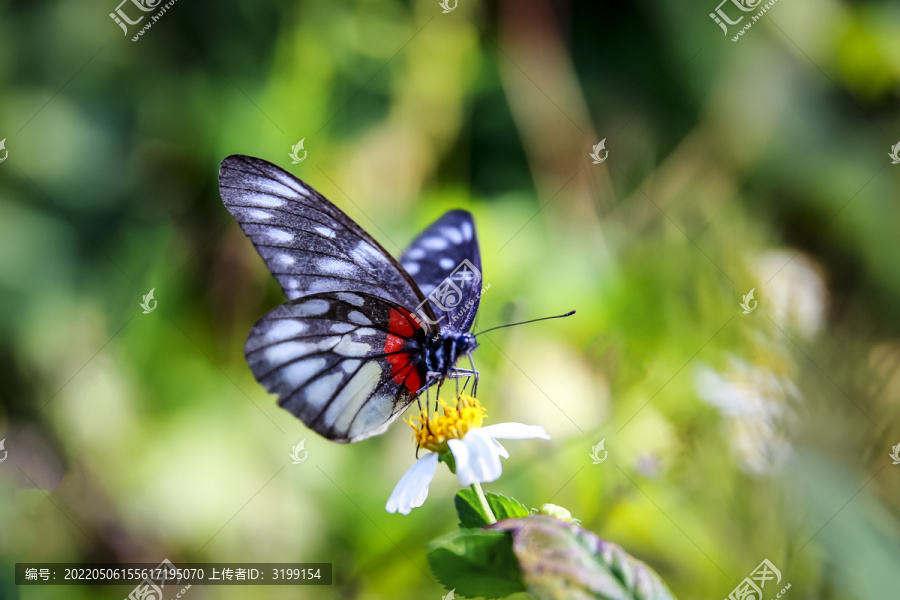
[(500, 449), (477, 458), (515, 431), (412, 489), (461, 458)]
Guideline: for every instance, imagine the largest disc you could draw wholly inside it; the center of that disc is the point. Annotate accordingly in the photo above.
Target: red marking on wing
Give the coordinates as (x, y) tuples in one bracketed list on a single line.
[(403, 371), (401, 323), (393, 343), (411, 379)]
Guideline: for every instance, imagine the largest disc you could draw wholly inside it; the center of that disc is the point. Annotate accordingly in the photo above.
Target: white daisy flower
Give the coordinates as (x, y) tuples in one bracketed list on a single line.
[(457, 438)]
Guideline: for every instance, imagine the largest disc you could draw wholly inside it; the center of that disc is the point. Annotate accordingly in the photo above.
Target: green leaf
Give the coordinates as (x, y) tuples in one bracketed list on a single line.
[(476, 563), (562, 561), (471, 514), (468, 508)]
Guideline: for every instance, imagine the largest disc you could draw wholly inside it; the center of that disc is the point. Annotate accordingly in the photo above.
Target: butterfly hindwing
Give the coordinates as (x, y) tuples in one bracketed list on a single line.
[(347, 364), (307, 242), (445, 262)]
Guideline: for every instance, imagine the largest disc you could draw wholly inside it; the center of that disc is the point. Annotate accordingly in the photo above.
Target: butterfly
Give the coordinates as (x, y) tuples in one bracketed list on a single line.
[(362, 335)]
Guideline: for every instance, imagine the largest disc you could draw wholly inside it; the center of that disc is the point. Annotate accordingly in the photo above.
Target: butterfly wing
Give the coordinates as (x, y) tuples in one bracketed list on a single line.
[(307, 242), (347, 364), (445, 262)]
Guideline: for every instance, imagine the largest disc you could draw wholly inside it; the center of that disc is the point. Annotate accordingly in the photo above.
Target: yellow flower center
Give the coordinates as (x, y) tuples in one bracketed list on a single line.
[(432, 432)]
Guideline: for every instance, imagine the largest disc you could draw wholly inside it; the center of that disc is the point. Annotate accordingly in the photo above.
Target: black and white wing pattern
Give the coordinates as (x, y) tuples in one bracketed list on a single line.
[(347, 364), (307, 242), (445, 261), (358, 339)]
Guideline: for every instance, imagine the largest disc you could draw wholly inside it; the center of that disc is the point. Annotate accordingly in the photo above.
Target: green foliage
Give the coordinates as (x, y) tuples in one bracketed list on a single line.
[(562, 561), (476, 563), (732, 166), (472, 515), (548, 557)]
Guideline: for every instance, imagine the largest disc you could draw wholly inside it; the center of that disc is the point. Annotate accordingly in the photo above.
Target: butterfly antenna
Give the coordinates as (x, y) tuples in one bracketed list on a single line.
[(568, 314)]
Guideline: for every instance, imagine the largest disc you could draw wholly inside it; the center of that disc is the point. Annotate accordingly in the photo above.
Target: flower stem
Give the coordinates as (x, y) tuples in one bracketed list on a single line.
[(484, 503)]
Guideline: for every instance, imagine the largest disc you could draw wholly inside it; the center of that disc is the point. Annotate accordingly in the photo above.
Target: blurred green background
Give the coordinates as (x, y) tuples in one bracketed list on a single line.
[(731, 437)]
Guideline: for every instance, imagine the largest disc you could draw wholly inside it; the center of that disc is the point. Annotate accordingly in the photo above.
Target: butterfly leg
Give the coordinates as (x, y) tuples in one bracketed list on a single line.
[(464, 373), (428, 383), (456, 373), (437, 396), (431, 377)]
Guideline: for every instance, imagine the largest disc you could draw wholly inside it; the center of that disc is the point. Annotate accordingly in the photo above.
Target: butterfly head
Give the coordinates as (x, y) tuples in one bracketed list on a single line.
[(442, 351), (464, 343)]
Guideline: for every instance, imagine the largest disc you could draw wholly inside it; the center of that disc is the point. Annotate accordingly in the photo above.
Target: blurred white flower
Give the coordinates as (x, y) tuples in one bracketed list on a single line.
[(757, 405), (647, 465), (794, 293)]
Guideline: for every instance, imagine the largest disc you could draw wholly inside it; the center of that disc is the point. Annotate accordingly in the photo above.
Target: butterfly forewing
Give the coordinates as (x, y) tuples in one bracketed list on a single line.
[(308, 243), (445, 262), (346, 363)]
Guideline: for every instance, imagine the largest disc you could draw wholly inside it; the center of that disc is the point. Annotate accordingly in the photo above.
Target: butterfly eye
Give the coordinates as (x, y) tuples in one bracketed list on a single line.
[(465, 342)]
